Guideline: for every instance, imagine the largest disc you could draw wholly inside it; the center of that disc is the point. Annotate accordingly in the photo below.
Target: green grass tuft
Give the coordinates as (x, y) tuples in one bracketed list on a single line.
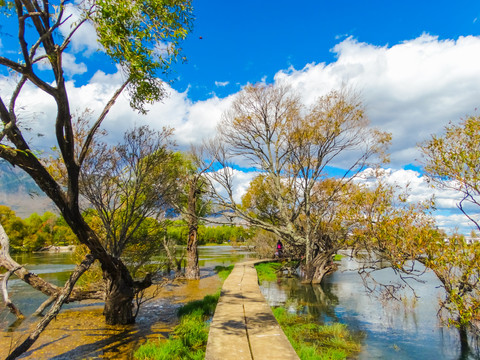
[(267, 271), (312, 341), (189, 338), (206, 306), (223, 271)]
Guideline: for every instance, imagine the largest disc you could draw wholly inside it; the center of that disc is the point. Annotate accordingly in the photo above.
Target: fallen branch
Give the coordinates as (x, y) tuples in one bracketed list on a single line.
[(34, 280), (44, 305), (55, 309), (11, 306)]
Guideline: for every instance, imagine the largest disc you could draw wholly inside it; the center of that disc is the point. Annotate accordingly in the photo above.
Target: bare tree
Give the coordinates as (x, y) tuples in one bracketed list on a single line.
[(295, 147)]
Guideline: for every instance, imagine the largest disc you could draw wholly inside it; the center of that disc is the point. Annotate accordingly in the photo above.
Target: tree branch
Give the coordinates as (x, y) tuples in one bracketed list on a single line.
[(99, 121), (34, 280), (11, 306), (57, 306)]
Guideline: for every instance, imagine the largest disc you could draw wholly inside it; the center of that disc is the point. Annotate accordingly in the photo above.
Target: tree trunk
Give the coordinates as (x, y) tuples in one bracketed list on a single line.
[(464, 345), (119, 296), (315, 271), (192, 272)]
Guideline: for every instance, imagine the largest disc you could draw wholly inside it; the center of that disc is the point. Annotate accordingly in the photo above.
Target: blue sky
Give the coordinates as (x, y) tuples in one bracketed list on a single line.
[(247, 41), (414, 63)]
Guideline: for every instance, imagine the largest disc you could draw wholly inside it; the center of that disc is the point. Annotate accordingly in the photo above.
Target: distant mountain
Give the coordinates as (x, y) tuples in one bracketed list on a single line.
[(19, 192)]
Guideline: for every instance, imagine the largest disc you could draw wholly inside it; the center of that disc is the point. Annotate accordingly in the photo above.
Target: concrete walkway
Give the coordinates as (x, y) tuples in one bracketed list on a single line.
[(243, 326)]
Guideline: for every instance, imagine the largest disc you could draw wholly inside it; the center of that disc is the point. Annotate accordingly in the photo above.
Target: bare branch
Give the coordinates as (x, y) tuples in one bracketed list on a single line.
[(93, 130), (62, 298), (11, 306)]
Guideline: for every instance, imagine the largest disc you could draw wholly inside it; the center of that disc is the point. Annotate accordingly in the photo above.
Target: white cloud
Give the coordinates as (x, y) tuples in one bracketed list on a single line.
[(71, 67), (412, 89), (85, 38), (447, 216), (221, 83), (240, 182)]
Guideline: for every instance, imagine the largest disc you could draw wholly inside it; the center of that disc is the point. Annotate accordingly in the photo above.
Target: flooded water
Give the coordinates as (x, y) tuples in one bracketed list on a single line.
[(79, 331), (388, 330), (407, 329)]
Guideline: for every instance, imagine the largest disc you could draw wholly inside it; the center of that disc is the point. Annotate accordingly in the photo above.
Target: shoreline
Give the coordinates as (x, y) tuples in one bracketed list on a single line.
[(55, 249)]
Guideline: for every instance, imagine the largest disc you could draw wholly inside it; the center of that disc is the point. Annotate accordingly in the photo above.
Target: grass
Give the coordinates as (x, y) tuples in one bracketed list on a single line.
[(223, 271), (337, 257), (267, 271), (313, 341), (189, 341), (189, 338)]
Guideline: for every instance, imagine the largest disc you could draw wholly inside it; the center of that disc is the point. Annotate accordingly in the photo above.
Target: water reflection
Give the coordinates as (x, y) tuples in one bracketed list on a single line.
[(409, 329), (79, 332)]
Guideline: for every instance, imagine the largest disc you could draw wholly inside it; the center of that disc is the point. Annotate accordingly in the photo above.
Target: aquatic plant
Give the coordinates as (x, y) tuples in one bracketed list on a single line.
[(313, 341), (267, 271), (189, 338)]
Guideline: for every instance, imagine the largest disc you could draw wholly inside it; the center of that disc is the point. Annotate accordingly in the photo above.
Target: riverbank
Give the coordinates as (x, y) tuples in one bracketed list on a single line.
[(56, 249)]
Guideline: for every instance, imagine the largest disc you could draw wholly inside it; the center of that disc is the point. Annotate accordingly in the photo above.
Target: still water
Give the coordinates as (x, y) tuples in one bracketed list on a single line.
[(406, 329), (388, 330), (79, 331)]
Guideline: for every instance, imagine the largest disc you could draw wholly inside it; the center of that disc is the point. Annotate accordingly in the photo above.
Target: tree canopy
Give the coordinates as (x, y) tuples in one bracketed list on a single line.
[(452, 161), (293, 147)]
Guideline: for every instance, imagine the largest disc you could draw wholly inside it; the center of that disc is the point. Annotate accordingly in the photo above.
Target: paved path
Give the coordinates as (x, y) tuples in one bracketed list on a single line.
[(243, 326)]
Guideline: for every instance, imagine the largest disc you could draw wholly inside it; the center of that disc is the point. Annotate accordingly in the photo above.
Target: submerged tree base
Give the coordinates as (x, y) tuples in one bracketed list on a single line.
[(311, 340)]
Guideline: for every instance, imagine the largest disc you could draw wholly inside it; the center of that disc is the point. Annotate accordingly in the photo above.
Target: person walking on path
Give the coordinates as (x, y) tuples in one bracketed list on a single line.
[(279, 251)]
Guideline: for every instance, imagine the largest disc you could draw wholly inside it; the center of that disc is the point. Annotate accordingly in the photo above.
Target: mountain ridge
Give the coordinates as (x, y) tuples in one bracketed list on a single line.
[(19, 192)]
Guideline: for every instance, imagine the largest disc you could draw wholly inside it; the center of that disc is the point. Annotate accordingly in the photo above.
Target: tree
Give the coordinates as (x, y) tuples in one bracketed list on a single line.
[(129, 183), (130, 33), (193, 204), (294, 147), (452, 162), (126, 184)]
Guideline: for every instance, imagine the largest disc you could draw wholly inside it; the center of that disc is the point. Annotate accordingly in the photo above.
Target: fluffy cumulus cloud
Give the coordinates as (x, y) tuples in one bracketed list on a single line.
[(85, 39), (412, 89)]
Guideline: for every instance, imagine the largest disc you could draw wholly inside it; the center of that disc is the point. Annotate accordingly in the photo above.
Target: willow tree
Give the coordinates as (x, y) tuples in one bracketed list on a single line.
[(295, 148), (131, 33), (452, 162)]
